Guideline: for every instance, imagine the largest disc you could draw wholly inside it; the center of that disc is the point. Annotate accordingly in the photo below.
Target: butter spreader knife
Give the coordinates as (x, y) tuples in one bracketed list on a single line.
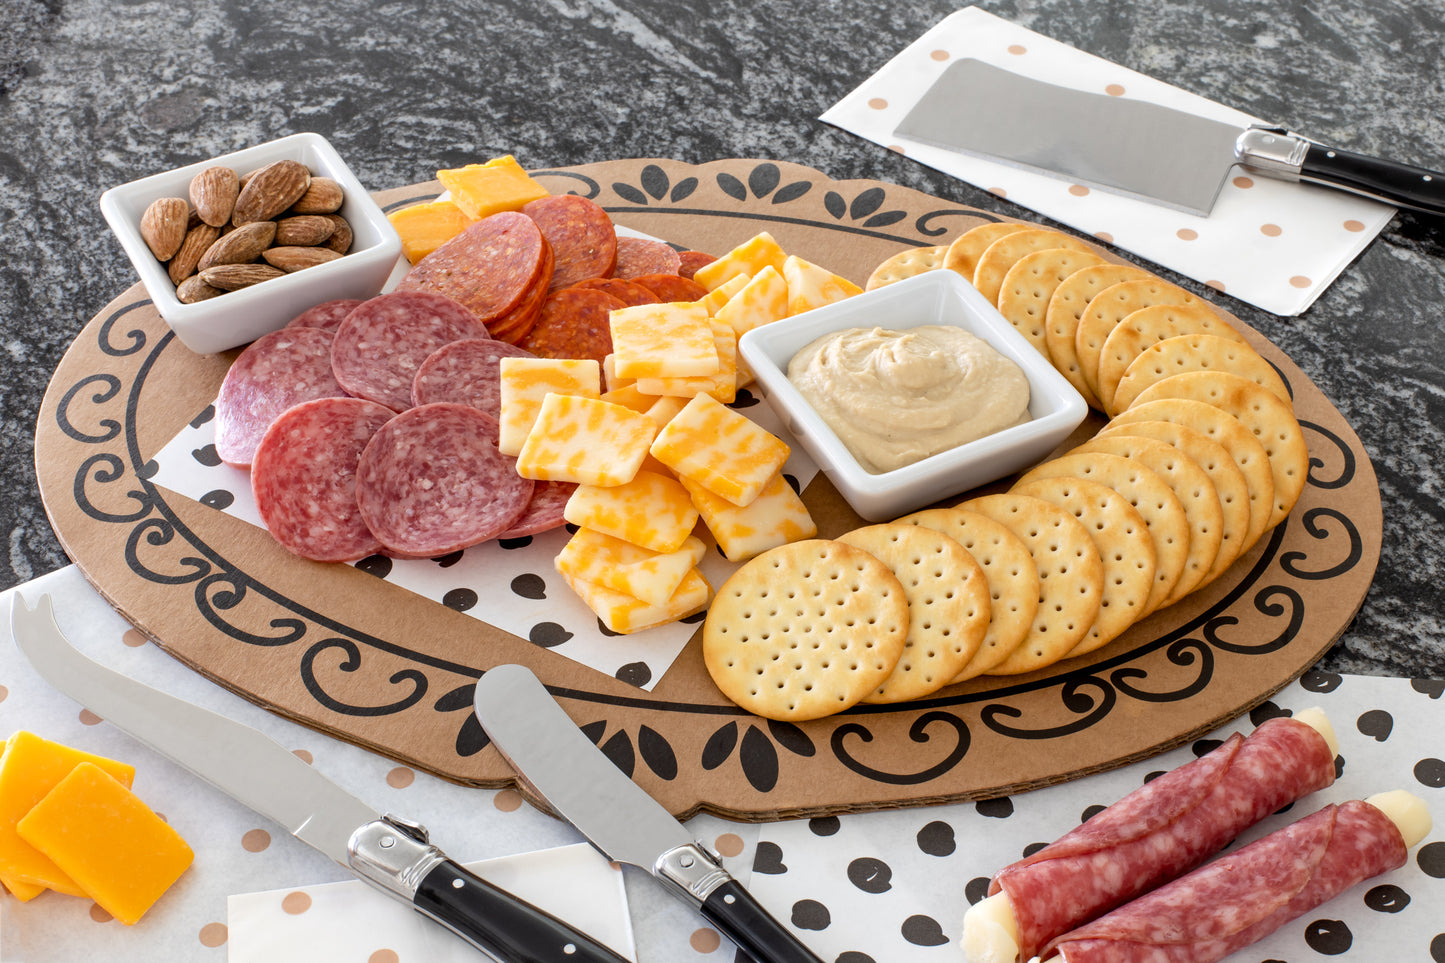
[(387, 851), (564, 767)]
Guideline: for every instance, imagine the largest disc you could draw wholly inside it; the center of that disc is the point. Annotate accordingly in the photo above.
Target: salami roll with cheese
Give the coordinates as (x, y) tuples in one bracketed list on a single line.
[(275, 372), (581, 234), (1243, 897), (637, 256), (1160, 831), (489, 268)]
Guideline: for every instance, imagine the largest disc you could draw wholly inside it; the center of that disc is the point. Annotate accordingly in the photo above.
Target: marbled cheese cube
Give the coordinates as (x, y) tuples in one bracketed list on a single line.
[(762, 300), (526, 381), (668, 340), (624, 614), (723, 385), (776, 517), (585, 440), (652, 510), (630, 569), (720, 449), (810, 286), (749, 257)]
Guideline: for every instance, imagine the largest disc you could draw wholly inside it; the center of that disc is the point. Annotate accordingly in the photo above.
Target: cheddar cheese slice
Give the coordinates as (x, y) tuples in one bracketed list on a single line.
[(585, 440), (526, 381), (610, 379), (810, 286), (665, 408), (667, 340), (762, 300), (720, 449), (498, 185), (723, 385), (749, 257), (652, 510), (621, 566), (776, 517), (426, 227), (720, 295), (629, 397), (624, 614)]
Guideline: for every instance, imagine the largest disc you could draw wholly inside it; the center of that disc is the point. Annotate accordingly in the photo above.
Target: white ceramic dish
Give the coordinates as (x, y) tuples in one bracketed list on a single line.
[(936, 297), (239, 317)]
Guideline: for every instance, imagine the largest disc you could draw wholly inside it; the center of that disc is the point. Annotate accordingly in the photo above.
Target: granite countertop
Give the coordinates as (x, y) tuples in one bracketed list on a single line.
[(94, 94)]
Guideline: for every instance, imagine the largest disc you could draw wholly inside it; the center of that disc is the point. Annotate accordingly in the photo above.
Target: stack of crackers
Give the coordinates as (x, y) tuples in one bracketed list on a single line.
[(1202, 455)]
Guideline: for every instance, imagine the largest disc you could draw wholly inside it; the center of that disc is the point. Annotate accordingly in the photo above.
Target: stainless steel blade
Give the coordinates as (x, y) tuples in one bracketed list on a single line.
[(238, 760), (1127, 146), (547, 749)]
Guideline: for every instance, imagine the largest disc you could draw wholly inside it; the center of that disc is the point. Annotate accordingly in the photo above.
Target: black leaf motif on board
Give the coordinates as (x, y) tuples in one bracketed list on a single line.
[(833, 202), (656, 752), (683, 189), (764, 179), (619, 750), (732, 187), (884, 219), (471, 737), (458, 698), (792, 738), (593, 730), (760, 760), (654, 181), (629, 193), (792, 192), (866, 203), (719, 746)]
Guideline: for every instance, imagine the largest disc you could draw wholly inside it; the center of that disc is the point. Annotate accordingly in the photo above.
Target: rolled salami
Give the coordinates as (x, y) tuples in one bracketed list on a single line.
[(1156, 833), (1243, 897)]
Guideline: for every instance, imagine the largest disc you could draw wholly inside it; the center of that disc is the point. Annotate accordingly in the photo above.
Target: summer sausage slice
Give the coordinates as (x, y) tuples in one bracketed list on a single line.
[(275, 372), (327, 315), (382, 343), (544, 511), (671, 287), (640, 255), (432, 482), (489, 268), (467, 373), (581, 234), (630, 293), (304, 478)]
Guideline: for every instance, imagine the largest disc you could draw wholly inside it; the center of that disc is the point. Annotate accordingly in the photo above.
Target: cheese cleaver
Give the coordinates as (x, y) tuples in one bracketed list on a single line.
[(564, 767), (1138, 149), (389, 852)]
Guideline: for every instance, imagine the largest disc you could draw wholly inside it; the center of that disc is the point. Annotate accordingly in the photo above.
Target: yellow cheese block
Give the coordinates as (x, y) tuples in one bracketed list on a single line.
[(720, 449), (526, 381), (24, 892), (720, 295), (29, 769), (810, 286), (585, 440), (629, 397), (723, 385), (664, 409), (653, 510), (498, 185), (749, 257), (762, 300), (776, 517), (120, 852), (663, 341), (610, 379), (426, 227), (652, 577), (624, 614)]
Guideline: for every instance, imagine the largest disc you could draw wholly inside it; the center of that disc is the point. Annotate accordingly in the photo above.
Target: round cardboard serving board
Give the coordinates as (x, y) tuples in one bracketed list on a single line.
[(334, 648)]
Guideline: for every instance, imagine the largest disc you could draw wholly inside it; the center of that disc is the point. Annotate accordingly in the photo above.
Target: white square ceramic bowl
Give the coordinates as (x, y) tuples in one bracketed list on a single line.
[(935, 297), (239, 317)]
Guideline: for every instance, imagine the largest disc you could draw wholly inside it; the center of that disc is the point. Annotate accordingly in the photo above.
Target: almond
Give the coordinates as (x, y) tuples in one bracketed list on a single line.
[(233, 277), (324, 196), (193, 289), (241, 246), (292, 259), (270, 191), (305, 230), (340, 241), (213, 192), (198, 240), (163, 226)]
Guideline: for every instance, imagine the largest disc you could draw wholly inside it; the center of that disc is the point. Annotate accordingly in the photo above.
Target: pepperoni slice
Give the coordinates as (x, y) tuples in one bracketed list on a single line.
[(275, 372), (465, 373), (574, 324), (304, 478), (514, 326), (432, 482), (671, 287), (630, 293), (327, 315), (489, 268), (544, 511), (639, 255), (581, 235), (690, 261), (382, 343)]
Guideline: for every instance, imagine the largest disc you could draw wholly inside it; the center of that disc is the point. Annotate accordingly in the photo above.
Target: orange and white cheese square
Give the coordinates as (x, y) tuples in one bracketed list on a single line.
[(585, 440), (749, 257), (526, 381), (722, 294), (776, 517), (763, 300), (811, 286), (652, 510), (720, 449), (630, 569), (723, 385), (670, 340), (624, 614)]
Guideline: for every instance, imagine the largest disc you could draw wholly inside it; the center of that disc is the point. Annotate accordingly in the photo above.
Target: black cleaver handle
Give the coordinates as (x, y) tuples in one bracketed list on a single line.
[(1397, 184), (732, 909)]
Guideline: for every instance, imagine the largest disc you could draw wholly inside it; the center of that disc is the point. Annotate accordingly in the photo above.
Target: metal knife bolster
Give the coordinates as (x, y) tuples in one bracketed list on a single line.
[(1272, 151), (691, 870), (393, 854)]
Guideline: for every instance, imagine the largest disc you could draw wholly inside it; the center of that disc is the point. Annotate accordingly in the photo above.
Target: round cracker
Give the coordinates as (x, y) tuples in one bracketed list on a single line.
[(1071, 576), (905, 264), (1197, 352), (1218, 425), (1150, 495), (1066, 307), (1009, 570), (1111, 306), (1122, 538), (948, 606), (1272, 421), (1149, 325), (1023, 299), (963, 254), (1191, 485), (1004, 253), (805, 630)]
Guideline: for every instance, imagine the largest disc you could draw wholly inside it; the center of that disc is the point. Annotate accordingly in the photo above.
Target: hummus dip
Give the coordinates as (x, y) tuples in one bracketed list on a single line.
[(896, 397)]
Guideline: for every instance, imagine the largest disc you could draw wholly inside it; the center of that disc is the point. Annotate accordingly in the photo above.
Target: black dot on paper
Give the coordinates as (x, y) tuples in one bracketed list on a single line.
[(1339, 766), (976, 889), (1431, 860), (1377, 724), (1329, 937), (206, 456), (529, 586), (548, 634), (1000, 808), (148, 470), (1091, 812), (512, 544), (634, 673), (571, 529), (923, 931), (848, 956), (1434, 688), (1266, 711), (206, 415), (694, 618), (378, 565), (448, 560), (219, 499), (744, 399), (1154, 775), (824, 825), (1316, 681), (1032, 848), (936, 839), (606, 632), (809, 914), (1430, 772), (460, 599), (1387, 899), (1437, 948), (870, 875), (1203, 747), (768, 859)]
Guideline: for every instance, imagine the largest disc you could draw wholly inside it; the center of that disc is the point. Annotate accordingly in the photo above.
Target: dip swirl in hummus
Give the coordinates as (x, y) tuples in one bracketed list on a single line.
[(896, 397)]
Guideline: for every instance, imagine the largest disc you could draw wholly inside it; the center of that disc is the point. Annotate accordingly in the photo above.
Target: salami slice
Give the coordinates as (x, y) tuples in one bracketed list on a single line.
[(690, 261), (304, 478), (327, 315), (1243, 897), (1163, 829), (630, 293), (639, 255), (671, 287), (489, 268), (465, 373), (432, 482), (382, 343), (574, 324), (514, 325), (275, 372), (581, 234), (544, 511)]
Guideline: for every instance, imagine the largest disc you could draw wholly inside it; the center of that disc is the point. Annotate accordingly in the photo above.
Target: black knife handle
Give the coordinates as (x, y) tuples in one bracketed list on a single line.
[(733, 910), (508, 928), (1398, 184)]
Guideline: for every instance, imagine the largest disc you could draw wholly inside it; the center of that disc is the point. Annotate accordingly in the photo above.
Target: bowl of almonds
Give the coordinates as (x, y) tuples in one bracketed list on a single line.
[(234, 247)]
